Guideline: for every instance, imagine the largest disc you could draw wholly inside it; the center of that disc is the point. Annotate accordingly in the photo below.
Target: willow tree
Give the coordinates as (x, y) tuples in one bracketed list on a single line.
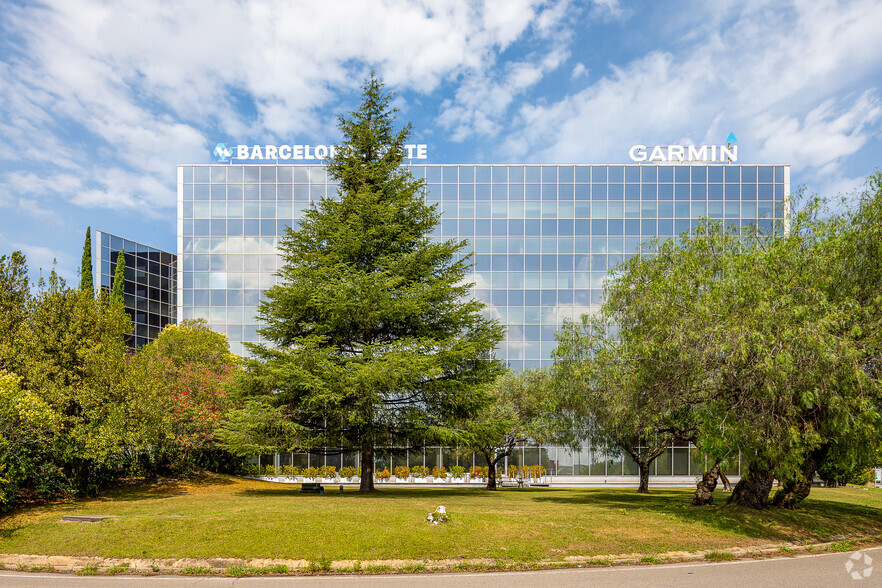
[(373, 339)]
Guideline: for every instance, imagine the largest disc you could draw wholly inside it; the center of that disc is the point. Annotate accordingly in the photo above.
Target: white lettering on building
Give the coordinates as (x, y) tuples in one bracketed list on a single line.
[(309, 152), (684, 153)]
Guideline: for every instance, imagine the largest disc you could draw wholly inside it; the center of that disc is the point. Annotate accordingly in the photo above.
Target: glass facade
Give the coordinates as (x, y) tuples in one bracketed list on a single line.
[(150, 284), (543, 236), (681, 461)]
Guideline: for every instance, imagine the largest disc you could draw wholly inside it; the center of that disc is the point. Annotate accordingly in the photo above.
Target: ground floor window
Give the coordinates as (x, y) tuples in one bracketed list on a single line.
[(683, 460)]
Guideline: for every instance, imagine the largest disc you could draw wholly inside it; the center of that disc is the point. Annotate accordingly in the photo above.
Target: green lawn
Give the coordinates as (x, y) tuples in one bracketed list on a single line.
[(228, 517)]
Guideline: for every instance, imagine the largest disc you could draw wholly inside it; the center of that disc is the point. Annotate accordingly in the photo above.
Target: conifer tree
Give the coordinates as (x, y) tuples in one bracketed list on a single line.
[(375, 341), (86, 284), (117, 291)]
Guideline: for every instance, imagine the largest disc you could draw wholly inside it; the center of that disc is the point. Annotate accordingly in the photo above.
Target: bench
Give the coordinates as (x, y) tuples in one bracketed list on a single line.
[(503, 481), (312, 488)]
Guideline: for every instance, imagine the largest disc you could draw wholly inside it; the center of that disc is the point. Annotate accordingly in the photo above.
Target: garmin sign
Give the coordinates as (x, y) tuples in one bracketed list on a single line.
[(727, 153), (224, 154)]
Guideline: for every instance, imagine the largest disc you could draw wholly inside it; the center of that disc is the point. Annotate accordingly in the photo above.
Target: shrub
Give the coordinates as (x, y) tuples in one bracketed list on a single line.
[(719, 556), (290, 471), (251, 469), (270, 471), (348, 471), (439, 472), (328, 472), (310, 472), (402, 472), (322, 564), (476, 472), (385, 474), (419, 471), (862, 477), (457, 471)]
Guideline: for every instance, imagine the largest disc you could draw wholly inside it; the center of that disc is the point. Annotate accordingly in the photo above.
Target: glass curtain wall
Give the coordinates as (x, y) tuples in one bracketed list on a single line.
[(543, 237), (150, 284)]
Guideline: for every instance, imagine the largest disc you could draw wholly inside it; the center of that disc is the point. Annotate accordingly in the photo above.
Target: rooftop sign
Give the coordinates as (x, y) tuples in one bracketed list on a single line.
[(727, 153), (224, 154)]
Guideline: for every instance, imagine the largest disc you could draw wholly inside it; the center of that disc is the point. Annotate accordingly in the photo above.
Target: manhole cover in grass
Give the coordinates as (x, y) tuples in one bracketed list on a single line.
[(86, 518)]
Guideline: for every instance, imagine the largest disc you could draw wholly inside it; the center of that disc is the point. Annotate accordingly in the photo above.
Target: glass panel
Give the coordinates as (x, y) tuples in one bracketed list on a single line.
[(630, 466), (565, 459), (663, 463), (598, 463), (415, 458), (696, 465), (681, 461), (614, 464), (547, 459), (432, 454), (583, 463)]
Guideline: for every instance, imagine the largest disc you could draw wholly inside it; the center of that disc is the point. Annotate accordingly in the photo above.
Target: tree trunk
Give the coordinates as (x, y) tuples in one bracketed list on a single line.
[(753, 489), (643, 462), (727, 487), (491, 472), (797, 489), (643, 466), (367, 467), (704, 492)]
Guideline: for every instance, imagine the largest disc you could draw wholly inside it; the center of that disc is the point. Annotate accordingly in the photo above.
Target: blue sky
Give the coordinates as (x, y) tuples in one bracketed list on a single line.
[(100, 100)]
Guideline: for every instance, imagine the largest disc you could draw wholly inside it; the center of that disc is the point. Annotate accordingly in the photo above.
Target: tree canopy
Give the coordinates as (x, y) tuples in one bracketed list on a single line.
[(371, 335), (740, 341)]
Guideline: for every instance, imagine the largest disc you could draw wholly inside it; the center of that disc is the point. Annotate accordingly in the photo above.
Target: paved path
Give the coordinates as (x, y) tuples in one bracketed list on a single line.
[(822, 570)]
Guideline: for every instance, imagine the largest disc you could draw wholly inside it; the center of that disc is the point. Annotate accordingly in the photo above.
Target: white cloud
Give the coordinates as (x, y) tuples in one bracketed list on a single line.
[(24, 182), (774, 75), (140, 84), (481, 103), (825, 136), (33, 208), (43, 259), (608, 8)]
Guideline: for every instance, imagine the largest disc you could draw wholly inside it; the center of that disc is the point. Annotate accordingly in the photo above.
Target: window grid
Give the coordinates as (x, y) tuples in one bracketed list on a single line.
[(149, 288), (542, 236)]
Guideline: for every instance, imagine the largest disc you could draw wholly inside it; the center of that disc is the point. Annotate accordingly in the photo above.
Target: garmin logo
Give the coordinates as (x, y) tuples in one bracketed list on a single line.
[(727, 153), (295, 152)]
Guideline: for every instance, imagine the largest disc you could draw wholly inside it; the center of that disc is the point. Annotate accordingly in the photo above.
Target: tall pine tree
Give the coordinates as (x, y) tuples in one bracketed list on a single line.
[(117, 291), (86, 284), (375, 341)]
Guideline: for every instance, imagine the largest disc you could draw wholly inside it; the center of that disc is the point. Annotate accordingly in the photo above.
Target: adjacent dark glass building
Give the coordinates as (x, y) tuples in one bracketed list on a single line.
[(150, 284)]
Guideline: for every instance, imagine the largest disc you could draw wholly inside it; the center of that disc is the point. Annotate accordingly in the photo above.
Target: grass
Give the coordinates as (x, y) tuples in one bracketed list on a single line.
[(120, 568), (846, 545), (225, 517), (719, 556), (194, 571)]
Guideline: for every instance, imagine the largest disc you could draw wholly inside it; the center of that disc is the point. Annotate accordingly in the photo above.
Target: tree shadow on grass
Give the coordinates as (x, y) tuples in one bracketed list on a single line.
[(353, 493), (166, 488), (136, 490), (816, 518), (8, 532)]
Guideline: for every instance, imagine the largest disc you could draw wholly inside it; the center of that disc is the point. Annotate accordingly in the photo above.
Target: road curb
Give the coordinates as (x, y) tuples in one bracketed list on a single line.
[(261, 566)]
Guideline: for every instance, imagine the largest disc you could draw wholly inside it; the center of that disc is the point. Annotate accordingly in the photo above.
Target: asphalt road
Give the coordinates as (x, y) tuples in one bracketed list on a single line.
[(823, 570)]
